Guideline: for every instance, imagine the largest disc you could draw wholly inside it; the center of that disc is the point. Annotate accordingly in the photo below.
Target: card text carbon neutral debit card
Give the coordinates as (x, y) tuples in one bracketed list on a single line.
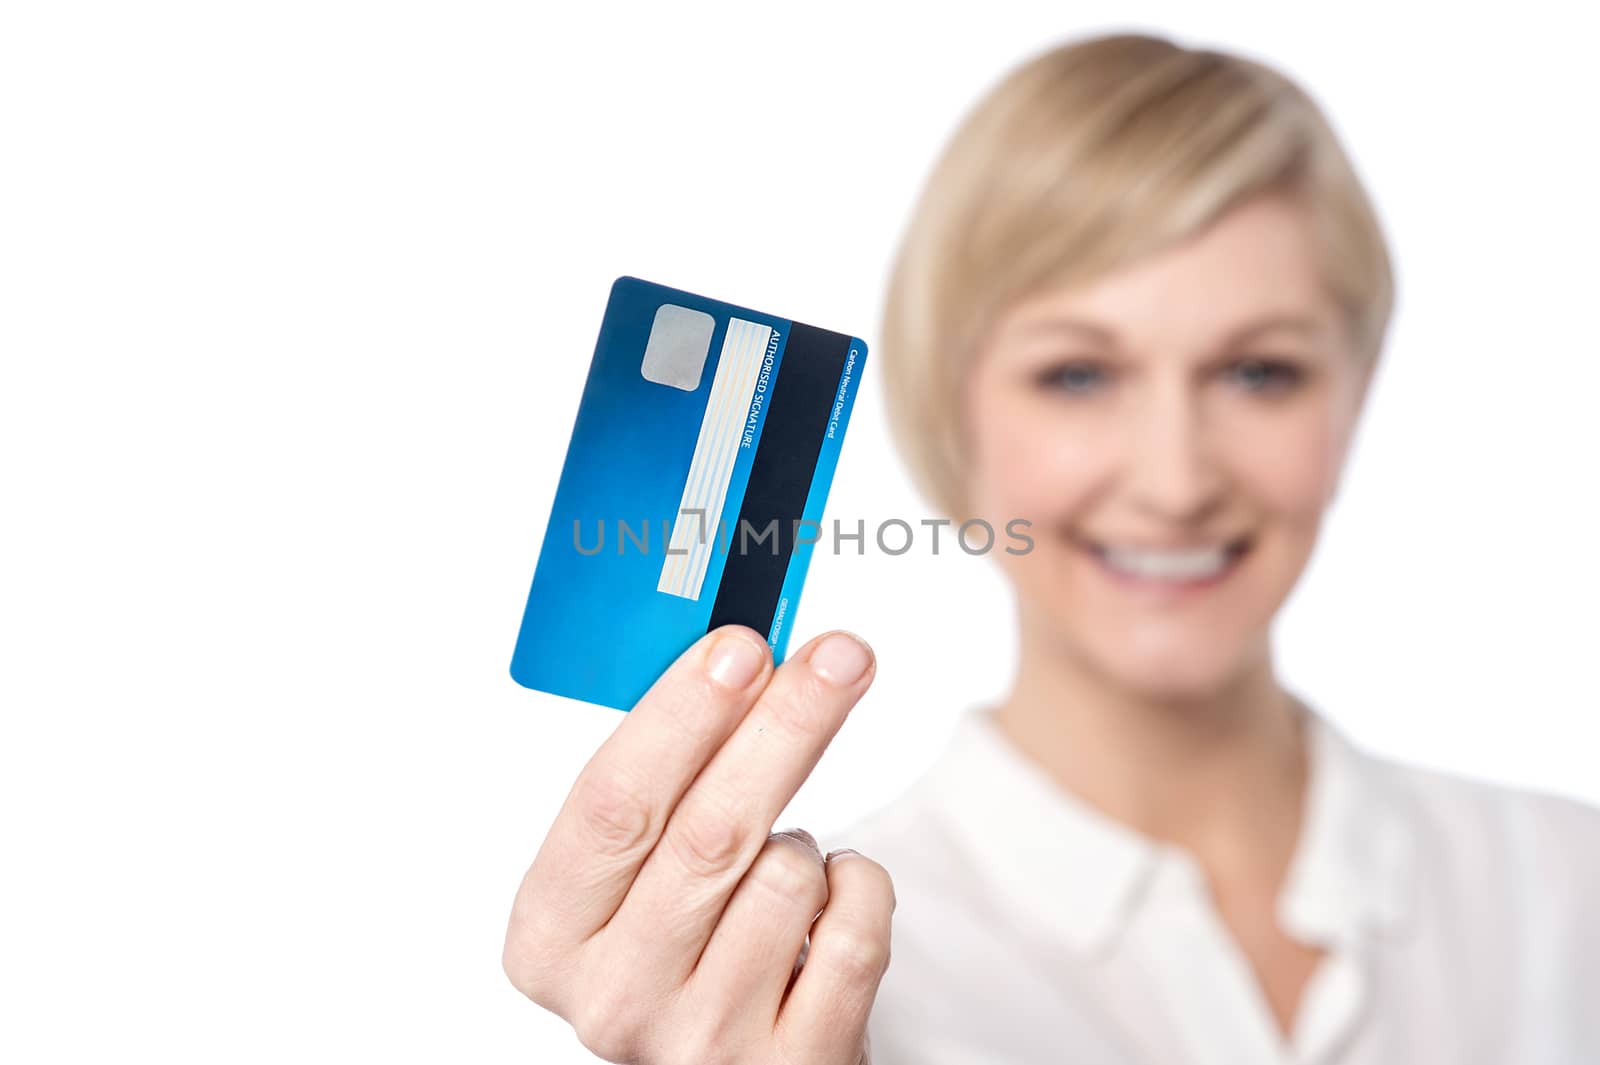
[(692, 491)]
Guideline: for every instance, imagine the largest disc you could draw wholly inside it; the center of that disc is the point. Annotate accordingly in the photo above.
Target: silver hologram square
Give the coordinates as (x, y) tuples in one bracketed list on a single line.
[(680, 340)]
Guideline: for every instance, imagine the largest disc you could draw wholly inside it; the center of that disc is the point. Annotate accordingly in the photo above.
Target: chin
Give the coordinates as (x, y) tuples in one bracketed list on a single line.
[(1177, 682), (1195, 670)]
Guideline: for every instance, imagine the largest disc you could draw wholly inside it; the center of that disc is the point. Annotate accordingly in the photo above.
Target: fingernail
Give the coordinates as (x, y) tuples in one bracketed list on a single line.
[(843, 852), (841, 658), (803, 836), (736, 661)]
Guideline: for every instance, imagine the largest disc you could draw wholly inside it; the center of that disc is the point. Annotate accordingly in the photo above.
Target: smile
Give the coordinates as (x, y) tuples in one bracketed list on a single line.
[(1168, 569)]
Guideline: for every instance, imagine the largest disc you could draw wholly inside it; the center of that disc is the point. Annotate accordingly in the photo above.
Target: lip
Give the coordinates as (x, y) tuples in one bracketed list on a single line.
[(1167, 590)]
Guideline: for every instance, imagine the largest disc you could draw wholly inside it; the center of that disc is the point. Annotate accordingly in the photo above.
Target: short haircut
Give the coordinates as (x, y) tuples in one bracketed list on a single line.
[(1085, 158)]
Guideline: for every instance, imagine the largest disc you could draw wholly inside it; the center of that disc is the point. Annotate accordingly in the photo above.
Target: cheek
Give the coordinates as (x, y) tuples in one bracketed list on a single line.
[(1290, 466), (1028, 464)]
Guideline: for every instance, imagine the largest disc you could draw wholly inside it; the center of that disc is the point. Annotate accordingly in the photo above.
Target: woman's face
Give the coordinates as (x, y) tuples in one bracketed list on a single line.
[(1173, 431)]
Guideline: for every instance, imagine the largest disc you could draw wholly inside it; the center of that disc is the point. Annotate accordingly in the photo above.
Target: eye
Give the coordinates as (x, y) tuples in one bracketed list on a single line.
[(1266, 375), (1074, 378)]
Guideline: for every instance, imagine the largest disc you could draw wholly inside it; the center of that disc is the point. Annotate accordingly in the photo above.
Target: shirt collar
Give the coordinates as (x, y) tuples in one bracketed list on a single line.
[(1049, 858), (1352, 874), (1045, 855)]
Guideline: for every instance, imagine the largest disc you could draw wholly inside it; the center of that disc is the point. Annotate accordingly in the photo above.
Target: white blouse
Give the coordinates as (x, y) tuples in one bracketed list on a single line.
[(1461, 923)]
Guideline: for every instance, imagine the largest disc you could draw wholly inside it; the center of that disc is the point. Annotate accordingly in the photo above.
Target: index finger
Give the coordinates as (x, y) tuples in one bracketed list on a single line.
[(624, 795)]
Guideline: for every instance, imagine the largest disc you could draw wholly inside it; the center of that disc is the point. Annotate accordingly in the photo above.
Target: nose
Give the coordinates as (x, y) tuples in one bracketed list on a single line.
[(1171, 474)]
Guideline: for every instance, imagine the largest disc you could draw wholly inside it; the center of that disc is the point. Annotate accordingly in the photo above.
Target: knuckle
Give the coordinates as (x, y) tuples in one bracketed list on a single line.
[(790, 872), (703, 1045), (527, 959), (522, 969), (707, 840), (515, 964), (614, 811), (854, 954), (606, 1025), (803, 706)]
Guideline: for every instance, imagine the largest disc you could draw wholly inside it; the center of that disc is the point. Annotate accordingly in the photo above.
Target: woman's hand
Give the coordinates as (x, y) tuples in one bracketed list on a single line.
[(662, 920)]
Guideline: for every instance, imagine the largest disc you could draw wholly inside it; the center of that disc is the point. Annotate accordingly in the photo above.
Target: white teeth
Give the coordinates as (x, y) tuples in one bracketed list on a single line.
[(1192, 564)]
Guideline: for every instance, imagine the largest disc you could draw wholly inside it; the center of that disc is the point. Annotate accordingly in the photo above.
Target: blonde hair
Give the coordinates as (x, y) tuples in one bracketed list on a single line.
[(1085, 158)]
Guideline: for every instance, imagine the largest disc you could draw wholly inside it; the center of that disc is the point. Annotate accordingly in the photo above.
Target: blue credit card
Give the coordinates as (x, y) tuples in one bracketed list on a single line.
[(692, 490)]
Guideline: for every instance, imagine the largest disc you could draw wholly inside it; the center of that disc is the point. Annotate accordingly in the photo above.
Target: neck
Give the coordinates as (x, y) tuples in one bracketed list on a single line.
[(1220, 773)]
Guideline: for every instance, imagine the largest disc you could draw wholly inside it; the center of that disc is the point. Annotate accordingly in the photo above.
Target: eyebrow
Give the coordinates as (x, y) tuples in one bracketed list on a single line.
[(1285, 321)]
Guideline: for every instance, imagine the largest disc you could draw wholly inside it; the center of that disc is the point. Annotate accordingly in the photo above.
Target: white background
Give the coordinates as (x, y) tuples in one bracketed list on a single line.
[(296, 300)]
